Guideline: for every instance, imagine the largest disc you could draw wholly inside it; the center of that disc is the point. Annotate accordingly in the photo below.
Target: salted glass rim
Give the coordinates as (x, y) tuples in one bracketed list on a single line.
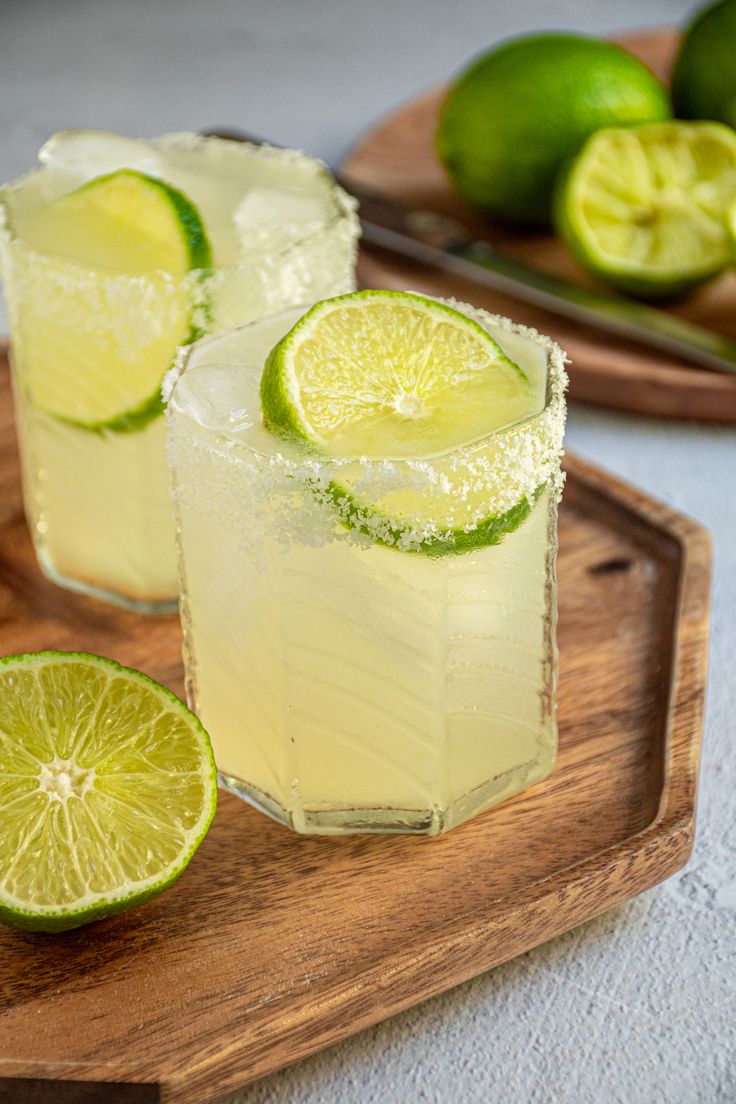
[(553, 409), (345, 207)]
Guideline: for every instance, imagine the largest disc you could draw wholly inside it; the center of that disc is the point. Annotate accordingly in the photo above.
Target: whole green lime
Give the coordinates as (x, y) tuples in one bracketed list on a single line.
[(704, 77), (517, 113)]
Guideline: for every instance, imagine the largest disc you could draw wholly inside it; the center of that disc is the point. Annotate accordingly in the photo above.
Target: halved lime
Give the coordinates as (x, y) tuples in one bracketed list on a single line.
[(425, 390), (732, 229), (110, 303), (520, 110), (107, 788), (644, 208)]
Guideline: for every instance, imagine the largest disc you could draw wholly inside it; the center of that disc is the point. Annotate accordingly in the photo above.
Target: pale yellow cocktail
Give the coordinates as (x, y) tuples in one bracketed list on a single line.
[(353, 676), (114, 253)]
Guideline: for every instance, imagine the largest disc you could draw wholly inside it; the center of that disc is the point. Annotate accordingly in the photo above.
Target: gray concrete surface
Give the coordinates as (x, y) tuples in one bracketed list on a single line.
[(637, 1007)]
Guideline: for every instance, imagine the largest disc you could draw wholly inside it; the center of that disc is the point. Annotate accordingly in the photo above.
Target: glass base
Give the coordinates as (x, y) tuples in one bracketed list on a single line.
[(135, 605), (384, 821)]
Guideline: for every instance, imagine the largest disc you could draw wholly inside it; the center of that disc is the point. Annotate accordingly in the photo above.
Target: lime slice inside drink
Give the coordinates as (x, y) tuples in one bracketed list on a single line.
[(644, 208), (115, 255), (386, 373), (107, 786), (427, 392)]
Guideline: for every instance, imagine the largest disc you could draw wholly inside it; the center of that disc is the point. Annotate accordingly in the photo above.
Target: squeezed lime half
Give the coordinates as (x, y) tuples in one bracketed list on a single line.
[(520, 110), (645, 208), (107, 786)]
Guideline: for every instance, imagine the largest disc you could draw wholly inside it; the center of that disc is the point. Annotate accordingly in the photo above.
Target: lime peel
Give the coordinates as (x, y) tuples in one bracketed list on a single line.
[(512, 118), (644, 208), (704, 76), (145, 246), (104, 819), (386, 362), (449, 503), (732, 230), (385, 531)]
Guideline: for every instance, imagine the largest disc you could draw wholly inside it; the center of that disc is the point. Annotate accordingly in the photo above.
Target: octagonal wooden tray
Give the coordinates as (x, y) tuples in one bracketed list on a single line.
[(272, 946), (397, 158)]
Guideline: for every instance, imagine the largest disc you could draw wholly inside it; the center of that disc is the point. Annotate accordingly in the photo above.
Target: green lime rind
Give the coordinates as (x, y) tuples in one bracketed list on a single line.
[(131, 421), (193, 233), (284, 416), (51, 919), (637, 285), (281, 414), (138, 417), (732, 230), (64, 920), (515, 114), (454, 542), (623, 271), (704, 74), (199, 259)]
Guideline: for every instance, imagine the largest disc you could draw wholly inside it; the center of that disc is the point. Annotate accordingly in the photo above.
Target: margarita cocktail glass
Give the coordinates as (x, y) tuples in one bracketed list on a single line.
[(351, 680), (91, 342)]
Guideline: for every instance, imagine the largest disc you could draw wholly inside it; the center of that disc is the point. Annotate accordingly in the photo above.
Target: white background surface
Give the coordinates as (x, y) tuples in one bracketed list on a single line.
[(638, 1007)]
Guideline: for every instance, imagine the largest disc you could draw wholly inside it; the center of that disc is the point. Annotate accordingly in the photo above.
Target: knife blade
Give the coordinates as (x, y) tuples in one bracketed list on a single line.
[(439, 242)]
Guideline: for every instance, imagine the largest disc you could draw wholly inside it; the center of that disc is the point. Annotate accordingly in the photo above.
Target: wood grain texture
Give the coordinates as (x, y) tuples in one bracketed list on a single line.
[(397, 159), (272, 946)]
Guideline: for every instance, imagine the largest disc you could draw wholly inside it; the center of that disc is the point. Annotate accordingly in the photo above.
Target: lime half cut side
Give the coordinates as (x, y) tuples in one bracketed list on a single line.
[(732, 229), (109, 264), (427, 436), (644, 208), (107, 786), (389, 374)]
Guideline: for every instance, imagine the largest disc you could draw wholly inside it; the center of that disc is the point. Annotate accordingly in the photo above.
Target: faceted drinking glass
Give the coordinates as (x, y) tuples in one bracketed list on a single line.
[(349, 680), (97, 497)]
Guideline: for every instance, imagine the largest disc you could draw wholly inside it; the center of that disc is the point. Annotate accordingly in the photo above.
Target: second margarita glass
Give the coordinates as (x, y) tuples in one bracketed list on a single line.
[(114, 252)]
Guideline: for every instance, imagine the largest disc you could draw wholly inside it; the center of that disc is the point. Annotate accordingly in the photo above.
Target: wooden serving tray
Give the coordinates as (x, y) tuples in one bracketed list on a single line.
[(272, 946), (397, 159)]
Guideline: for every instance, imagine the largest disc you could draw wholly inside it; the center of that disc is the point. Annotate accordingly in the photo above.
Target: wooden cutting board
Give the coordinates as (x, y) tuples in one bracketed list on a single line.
[(397, 159), (272, 946)]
